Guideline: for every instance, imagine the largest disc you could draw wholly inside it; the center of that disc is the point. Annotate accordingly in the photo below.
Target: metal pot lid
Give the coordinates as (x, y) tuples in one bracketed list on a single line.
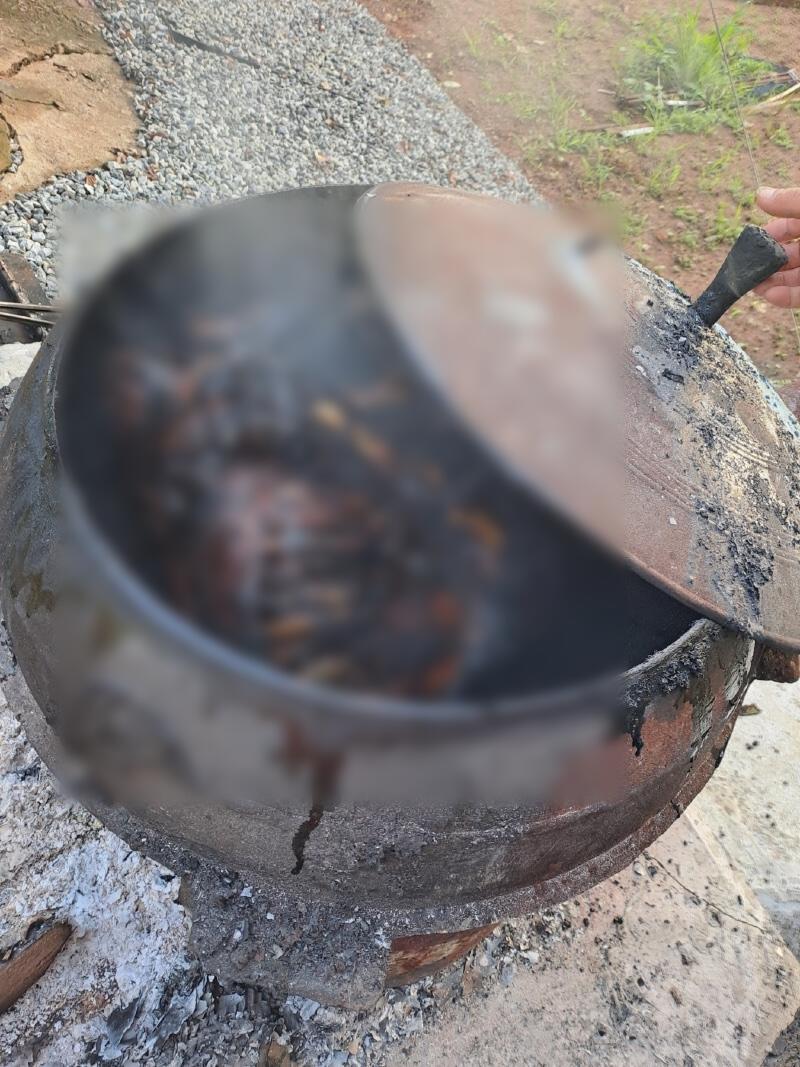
[(681, 457)]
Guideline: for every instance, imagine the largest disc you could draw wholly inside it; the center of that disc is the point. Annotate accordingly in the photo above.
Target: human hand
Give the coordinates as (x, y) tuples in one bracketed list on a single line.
[(783, 288)]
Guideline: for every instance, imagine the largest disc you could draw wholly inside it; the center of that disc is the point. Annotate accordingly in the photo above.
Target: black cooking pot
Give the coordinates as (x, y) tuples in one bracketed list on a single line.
[(523, 713)]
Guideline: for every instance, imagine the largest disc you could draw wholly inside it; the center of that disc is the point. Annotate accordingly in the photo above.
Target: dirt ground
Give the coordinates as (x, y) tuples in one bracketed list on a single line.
[(538, 75), (64, 104)]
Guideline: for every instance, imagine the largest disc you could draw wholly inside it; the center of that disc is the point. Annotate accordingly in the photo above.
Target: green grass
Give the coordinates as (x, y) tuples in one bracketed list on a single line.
[(676, 59), (714, 174), (742, 192), (726, 225), (662, 178), (596, 172), (782, 138), (665, 119), (785, 172), (628, 223), (521, 105), (686, 214), (474, 46), (689, 240), (491, 46), (565, 135), (566, 30), (559, 117)]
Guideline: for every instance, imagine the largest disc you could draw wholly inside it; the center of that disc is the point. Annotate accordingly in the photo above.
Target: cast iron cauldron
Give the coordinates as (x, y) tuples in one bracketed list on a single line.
[(199, 751)]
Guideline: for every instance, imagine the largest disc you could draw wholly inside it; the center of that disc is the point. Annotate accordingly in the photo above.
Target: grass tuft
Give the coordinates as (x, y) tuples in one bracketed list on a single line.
[(675, 72)]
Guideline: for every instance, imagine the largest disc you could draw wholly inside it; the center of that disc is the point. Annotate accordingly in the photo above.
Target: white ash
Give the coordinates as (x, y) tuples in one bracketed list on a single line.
[(124, 981), (237, 1027), (320, 1036), (15, 358), (58, 863)]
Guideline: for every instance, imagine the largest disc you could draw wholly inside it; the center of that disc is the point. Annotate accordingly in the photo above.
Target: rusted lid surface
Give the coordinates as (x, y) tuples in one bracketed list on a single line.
[(653, 432)]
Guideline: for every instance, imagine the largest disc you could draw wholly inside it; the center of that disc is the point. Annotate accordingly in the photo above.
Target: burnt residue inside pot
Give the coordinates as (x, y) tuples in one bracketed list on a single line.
[(247, 431)]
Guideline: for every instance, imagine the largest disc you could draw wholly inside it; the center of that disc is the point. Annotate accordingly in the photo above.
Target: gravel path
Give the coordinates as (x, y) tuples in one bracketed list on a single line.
[(245, 96)]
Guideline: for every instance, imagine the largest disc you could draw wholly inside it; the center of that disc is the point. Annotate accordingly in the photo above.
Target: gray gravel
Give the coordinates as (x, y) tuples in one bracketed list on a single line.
[(243, 97)]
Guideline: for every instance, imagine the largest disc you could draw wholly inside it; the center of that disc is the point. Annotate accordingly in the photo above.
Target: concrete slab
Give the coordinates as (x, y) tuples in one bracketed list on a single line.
[(752, 804), (675, 962)]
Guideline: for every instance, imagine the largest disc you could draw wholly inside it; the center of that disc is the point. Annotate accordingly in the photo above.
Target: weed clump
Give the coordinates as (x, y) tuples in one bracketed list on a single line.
[(675, 71)]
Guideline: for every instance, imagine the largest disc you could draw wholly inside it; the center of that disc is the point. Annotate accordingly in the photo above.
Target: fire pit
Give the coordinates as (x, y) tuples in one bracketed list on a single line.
[(356, 771)]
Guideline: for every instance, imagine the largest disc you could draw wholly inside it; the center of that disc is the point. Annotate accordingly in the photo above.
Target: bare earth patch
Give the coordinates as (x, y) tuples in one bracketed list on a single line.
[(64, 104)]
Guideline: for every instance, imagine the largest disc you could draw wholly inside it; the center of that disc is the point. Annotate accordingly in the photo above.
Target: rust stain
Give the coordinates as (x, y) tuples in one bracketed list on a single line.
[(777, 666)]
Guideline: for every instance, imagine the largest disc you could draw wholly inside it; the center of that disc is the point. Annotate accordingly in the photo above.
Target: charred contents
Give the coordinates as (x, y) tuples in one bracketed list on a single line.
[(247, 430)]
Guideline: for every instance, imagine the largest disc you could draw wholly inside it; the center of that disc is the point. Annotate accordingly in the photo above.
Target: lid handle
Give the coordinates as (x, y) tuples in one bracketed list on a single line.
[(754, 257)]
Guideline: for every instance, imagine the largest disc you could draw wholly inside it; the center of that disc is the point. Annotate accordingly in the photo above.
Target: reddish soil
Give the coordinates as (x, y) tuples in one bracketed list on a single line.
[(538, 75)]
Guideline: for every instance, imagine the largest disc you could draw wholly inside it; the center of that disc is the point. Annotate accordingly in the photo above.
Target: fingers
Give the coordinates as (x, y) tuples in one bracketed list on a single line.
[(783, 288), (783, 277), (793, 252), (793, 260), (784, 203), (788, 275), (783, 296), (783, 229)]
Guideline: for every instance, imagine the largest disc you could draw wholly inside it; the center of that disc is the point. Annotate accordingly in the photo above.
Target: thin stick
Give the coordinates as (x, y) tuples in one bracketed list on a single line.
[(772, 101), (20, 305), (32, 320)]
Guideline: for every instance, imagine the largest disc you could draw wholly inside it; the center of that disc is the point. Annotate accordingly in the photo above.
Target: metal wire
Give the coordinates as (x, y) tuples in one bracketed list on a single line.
[(739, 112), (745, 134)]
